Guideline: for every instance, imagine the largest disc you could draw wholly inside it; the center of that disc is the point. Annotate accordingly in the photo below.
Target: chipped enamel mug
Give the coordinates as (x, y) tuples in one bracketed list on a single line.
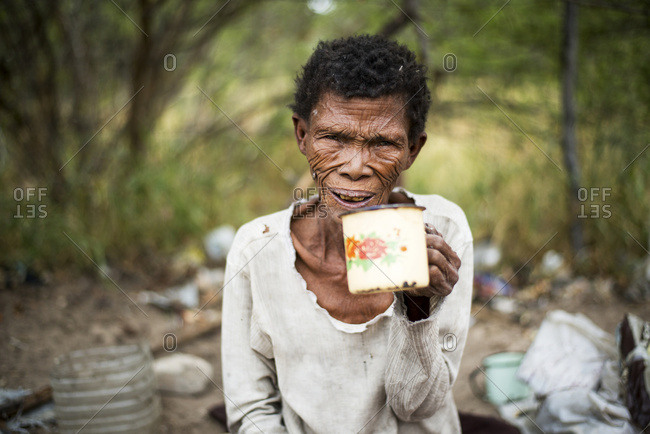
[(385, 248)]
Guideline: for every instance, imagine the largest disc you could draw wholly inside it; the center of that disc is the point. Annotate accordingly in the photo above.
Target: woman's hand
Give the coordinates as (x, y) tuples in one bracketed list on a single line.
[(444, 264)]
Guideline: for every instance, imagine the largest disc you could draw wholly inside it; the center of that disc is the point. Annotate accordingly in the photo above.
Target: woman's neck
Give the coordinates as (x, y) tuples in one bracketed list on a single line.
[(331, 237)]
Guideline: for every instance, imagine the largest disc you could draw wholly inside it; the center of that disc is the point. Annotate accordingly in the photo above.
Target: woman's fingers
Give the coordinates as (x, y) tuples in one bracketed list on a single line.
[(436, 242), (443, 263), (448, 270), (430, 229), (437, 280)]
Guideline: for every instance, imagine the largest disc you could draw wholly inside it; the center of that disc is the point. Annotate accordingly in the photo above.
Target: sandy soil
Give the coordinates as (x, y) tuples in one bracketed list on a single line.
[(39, 323)]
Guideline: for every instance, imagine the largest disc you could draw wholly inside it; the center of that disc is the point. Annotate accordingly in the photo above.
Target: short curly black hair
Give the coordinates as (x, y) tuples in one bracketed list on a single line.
[(367, 66)]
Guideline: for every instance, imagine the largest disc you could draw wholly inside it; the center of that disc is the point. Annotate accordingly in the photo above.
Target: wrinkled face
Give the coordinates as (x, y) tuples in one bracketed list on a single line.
[(357, 148)]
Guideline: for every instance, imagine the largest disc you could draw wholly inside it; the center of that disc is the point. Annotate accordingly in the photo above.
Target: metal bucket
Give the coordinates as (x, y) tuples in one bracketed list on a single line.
[(106, 390), (501, 383)]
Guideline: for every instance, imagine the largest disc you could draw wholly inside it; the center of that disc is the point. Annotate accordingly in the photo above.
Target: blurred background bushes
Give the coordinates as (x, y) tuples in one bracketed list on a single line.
[(139, 163)]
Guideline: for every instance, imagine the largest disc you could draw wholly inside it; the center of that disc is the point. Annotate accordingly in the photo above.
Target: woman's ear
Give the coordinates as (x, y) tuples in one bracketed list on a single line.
[(415, 148), (300, 130)]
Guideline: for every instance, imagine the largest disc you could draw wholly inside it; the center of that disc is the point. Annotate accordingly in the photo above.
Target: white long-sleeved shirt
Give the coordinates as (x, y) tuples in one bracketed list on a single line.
[(288, 366)]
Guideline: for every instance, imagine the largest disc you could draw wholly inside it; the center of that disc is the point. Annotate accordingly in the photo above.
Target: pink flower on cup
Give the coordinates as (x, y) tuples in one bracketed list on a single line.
[(372, 248)]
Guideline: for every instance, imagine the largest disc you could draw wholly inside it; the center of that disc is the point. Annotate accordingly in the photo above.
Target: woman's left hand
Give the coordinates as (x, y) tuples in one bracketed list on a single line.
[(444, 264)]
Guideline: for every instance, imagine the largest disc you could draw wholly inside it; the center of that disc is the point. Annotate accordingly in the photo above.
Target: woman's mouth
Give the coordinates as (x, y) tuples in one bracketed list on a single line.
[(351, 198)]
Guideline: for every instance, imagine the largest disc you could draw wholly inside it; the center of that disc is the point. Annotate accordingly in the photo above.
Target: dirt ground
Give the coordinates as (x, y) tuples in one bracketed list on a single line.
[(39, 323)]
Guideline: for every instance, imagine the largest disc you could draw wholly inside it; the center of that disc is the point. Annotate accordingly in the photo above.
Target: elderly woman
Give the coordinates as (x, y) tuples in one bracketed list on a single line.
[(300, 352)]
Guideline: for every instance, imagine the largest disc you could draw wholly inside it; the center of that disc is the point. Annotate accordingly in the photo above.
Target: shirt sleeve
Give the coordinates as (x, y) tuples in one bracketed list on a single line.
[(424, 356), (252, 397)]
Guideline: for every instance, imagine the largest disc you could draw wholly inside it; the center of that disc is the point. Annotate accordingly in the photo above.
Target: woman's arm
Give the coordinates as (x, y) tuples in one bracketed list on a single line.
[(420, 373), (253, 401)]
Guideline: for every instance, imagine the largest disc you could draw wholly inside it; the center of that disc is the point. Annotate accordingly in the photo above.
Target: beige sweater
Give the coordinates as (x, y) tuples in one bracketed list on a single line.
[(288, 366)]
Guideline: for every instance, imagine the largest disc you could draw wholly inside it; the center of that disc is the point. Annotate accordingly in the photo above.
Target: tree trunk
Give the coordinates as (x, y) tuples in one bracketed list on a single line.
[(569, 142)]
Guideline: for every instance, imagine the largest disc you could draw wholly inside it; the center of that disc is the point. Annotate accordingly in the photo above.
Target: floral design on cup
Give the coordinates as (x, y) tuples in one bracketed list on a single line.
[(369, 248)]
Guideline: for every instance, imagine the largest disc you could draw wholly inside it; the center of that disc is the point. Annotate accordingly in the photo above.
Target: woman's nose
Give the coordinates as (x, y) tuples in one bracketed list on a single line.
[(356, 163)]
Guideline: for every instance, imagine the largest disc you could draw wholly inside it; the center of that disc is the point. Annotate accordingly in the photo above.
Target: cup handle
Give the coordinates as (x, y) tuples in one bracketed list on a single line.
[(476, 389)]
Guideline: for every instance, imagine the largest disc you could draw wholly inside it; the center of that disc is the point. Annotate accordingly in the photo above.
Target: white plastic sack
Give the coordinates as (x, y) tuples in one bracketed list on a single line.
[(583, 411), (569, 351)]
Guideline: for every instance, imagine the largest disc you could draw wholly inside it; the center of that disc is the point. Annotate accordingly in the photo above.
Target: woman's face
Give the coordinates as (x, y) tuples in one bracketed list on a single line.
[(356, 148)]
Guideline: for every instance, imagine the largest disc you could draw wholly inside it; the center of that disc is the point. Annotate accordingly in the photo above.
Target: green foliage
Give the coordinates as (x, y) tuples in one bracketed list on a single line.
[(199, 170)]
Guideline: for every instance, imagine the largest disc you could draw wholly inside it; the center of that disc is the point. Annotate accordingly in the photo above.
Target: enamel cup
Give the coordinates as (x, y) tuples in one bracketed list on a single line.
[(385, 248)]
